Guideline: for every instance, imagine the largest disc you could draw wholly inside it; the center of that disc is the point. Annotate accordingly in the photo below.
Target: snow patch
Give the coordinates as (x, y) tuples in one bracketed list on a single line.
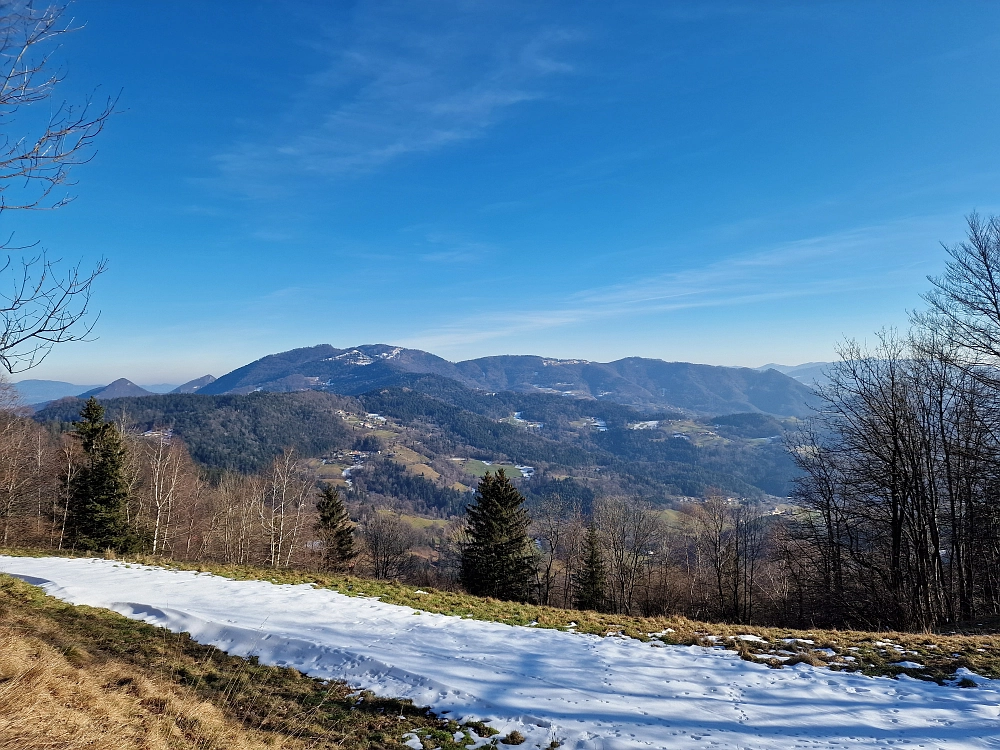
[(354, 357), (652, 424), (582, 691)]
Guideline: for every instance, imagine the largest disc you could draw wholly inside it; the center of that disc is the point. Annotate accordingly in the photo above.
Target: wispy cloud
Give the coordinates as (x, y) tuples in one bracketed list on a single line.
[(869, 258), (403, 82)]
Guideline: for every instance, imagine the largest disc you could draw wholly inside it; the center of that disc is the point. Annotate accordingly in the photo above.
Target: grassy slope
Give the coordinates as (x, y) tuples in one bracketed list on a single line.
[(80, 677), (873, 653)]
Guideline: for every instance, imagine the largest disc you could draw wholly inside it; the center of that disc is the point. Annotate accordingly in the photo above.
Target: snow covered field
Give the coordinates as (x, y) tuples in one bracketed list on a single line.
[(584, 691)]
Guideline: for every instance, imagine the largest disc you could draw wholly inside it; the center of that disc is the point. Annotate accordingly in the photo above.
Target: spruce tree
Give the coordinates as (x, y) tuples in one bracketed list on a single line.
[(335, 529), (498, 561), (99, 492), (590, 582)]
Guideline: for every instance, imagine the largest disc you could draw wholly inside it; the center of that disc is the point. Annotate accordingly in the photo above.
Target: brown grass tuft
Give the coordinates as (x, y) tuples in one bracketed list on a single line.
[(805, 657), (46, 701)]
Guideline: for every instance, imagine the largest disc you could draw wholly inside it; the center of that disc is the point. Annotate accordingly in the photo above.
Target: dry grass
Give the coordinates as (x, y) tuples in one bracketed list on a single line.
[(53, 699), (79, 677)]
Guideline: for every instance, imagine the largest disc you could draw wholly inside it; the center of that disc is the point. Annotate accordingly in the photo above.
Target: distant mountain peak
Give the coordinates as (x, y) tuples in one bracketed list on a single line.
[(192, 386), (121, 388), (809, 373)]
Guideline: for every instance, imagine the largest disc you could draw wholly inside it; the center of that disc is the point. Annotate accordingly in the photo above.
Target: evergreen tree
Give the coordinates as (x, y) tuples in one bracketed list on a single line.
[(335, 528), (99, 492), (498, 561), (590, 582)]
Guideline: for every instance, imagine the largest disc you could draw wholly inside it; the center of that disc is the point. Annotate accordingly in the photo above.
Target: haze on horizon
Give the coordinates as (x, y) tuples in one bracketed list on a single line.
[(707, 182)]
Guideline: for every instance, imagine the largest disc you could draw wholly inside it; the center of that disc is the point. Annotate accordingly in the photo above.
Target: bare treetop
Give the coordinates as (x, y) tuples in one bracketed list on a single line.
[(35, 165), (966, 297), (41, 304)]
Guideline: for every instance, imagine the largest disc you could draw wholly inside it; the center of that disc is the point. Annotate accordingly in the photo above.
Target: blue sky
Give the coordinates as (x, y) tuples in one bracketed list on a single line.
[(712, 182)]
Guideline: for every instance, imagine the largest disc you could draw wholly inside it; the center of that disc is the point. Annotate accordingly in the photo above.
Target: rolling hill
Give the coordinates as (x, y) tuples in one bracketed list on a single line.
[(239, 433), (409, 425), (425, 440)]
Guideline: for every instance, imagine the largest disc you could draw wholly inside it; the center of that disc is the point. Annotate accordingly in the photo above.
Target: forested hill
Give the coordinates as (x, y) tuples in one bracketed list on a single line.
[(446, 435), (240, 433), (648, 384)]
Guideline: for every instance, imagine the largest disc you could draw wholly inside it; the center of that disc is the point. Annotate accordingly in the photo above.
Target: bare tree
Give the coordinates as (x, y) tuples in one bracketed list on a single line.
[(556, 525), (288, 492), (712, 523), (40, 304), (193, 521), (235, 522), (18, 475), (965, 299), (816, 555), (71, 461), (731, 534), (899, 490), (166, 465), (388, 541), (631, 531)]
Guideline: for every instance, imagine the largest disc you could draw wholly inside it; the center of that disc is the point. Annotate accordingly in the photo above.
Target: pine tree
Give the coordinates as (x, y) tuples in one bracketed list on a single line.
[(99, 492), (498, 561), (590, 582), (335, 529)]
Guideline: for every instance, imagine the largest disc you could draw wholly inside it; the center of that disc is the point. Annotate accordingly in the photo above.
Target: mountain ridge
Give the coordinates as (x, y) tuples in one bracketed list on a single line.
[(639, 382), (812, 374)]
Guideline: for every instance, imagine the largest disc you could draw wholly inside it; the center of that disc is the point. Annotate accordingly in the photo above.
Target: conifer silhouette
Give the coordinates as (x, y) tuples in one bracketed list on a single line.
[(498, 561), (590, 582), (99, 492), (336, 530)]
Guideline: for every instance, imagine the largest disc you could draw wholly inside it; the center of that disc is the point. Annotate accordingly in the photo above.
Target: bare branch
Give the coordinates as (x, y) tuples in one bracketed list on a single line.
[(41, 303)]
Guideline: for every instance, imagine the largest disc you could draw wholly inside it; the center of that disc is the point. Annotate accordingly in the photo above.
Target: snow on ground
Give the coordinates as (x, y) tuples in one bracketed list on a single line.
[(585, 691)]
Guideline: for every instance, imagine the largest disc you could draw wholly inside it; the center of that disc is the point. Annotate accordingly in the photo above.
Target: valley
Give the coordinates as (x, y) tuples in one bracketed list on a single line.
[(445, 436)]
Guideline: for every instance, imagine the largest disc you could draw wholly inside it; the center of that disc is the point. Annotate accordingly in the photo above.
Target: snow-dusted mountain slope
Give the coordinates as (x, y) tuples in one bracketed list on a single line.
[(585, 691)]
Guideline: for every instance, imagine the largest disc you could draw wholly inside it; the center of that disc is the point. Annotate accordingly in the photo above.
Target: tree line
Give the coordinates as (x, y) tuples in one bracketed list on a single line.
[(901, 467), (102, 486)]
